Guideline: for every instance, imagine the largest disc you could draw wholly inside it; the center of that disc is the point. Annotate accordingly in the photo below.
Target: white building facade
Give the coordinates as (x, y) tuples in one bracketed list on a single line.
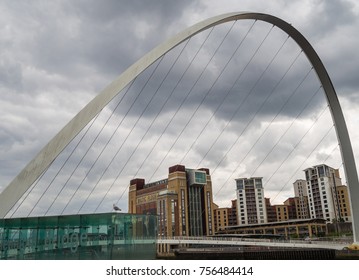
[(251, 207), (322, 182)]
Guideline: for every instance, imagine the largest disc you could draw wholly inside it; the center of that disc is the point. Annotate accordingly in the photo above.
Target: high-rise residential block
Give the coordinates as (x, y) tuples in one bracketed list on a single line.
[(251, 206), (322, 183), (301, 196)]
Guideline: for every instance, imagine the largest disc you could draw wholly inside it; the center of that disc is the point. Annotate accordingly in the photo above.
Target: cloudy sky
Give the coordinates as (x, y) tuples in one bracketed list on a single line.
[(55, 56)]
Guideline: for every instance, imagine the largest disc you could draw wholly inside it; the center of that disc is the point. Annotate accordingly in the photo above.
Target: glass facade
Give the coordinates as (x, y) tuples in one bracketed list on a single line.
[(195, 210), (200, 178), (79, 237), (239, 183)]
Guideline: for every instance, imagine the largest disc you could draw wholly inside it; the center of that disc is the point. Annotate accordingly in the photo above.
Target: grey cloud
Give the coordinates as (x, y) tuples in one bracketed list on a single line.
[(10, 74), (74, 49), (74, 39), (333, 15)]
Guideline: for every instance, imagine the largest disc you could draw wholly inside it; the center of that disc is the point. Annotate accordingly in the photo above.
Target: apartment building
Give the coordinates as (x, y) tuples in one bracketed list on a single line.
[(301, 194), (225, 216), (322, 182), (251, 205)]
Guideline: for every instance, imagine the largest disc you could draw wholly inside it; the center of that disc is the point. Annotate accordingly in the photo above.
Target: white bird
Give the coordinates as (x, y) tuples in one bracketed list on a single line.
[(116, 208)]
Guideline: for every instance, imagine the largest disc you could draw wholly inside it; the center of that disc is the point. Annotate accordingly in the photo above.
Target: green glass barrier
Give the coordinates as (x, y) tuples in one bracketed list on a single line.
[(79, 237)]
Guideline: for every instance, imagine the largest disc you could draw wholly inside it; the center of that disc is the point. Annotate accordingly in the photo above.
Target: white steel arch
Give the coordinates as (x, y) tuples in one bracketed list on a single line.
[(22, 182)]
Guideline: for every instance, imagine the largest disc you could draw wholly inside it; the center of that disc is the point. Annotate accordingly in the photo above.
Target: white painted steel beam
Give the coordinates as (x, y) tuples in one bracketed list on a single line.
[(22, 182)]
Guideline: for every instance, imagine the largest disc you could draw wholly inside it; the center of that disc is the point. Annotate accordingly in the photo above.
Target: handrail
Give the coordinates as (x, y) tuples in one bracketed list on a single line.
[(254, 240)]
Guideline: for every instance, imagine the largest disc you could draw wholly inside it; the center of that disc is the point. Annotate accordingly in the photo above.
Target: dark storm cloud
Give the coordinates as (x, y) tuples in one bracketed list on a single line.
[(330, 28), (229, 85), (59, 50), (230, 75), (88, 37)]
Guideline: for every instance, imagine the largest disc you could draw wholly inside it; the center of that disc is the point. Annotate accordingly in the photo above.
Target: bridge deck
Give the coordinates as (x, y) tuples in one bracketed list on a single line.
[(254, 242)]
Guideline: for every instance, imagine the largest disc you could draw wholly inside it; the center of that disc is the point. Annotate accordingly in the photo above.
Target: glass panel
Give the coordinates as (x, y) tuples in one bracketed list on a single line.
[(258, 183), (91, 236), (321, 171), (200, 178), (239, 184)]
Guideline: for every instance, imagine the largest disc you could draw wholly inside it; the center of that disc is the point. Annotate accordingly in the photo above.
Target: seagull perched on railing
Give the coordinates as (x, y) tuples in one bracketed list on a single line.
[(116, 208)]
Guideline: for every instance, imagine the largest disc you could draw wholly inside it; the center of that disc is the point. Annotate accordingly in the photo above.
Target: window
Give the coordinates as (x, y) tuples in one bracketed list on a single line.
[(249, 182), (321, 171), (258, 183), (183, 212), (200, 177), (239, 184), (209, 212)]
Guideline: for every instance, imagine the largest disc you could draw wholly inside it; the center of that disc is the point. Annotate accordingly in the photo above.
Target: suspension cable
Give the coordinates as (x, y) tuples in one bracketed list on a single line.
[(193, 86), (163, 106), (321, 140), (64, 163), (93, 164), (242, 103), (286, 131), (118, 150), (88, 149), (256, 113), (277, 142), (298, 143), (225, 97)]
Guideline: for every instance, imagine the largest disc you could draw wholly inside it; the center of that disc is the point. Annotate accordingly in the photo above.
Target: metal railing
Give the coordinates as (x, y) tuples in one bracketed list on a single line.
[(257, 241)]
